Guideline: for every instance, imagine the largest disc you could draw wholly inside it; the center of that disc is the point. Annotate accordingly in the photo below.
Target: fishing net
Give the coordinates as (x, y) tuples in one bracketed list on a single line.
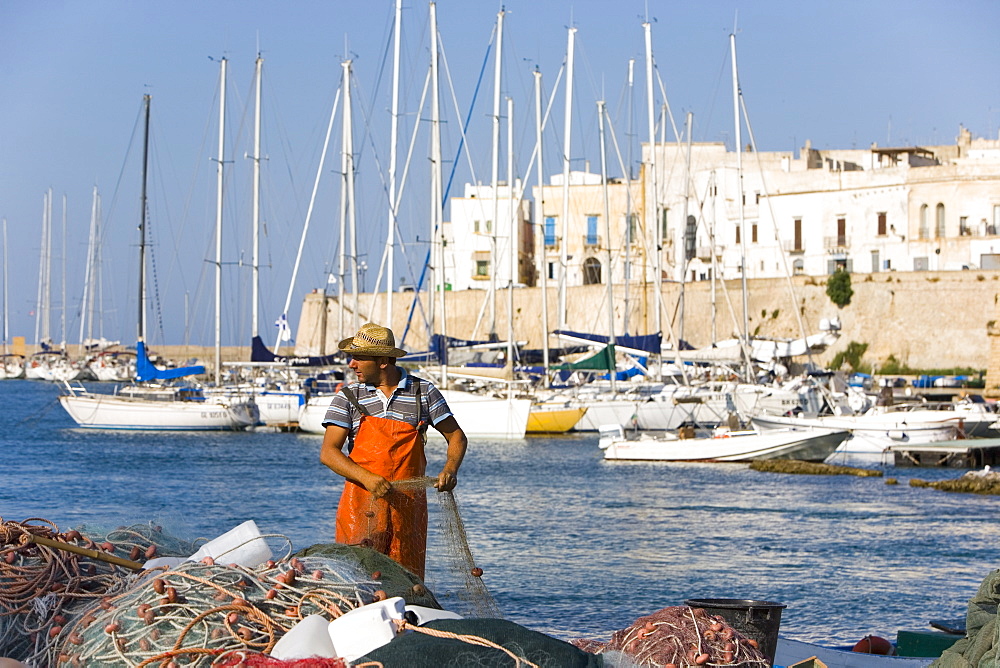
[(58, 607), (206, 610), (43, 587), (679, 636), (389, 523)]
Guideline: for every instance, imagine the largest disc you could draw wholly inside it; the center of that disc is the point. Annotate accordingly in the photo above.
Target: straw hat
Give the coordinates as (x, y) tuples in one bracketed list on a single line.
[(374, 340)]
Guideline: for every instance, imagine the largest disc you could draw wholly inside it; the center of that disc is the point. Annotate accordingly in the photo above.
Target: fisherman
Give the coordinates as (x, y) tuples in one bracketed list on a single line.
[(383, 418)]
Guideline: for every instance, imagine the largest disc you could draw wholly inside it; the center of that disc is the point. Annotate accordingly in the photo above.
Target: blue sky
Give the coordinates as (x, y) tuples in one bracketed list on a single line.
[(840, 74)]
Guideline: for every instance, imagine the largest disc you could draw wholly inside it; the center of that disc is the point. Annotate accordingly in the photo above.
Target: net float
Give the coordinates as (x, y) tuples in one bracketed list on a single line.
[(477, 572)]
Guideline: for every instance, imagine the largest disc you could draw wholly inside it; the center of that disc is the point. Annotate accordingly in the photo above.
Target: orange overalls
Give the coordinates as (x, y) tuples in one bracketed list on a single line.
[(396, 524)]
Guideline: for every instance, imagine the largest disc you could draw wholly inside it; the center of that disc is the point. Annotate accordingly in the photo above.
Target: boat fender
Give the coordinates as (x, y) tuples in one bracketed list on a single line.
[(359, 631), (874, 645), (308, 638)]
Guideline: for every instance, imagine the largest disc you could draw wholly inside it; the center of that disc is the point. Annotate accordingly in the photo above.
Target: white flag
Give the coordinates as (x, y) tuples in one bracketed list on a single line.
[(284, 331)]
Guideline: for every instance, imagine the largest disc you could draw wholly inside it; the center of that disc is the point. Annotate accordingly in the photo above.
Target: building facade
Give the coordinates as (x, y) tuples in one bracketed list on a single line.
[(717, 214)]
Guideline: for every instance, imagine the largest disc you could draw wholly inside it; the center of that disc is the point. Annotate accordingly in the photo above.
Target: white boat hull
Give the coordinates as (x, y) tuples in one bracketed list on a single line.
[(479, 416), (312, 412), (107, 411), (789, 652), (488, 417), (621, 412), (871, 435), (680, 405), (735, 446)]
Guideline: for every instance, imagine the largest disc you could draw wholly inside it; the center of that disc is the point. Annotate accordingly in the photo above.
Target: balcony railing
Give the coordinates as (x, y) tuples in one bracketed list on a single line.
[(591, 240), (839, 243), (789, 246)]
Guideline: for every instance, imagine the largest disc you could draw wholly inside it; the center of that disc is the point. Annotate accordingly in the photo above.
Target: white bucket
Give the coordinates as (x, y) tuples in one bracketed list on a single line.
[(306, 639), (364, 629), (242, 545)]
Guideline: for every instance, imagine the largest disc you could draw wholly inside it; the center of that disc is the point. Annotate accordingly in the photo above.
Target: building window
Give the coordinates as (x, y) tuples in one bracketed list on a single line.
[(475, 227), (963, 226), (923, 232), (841, 232), (939, 220), (633, 223), (875, 261), (591, 271), (664, 233), (798, 267), (797, 237), (482, 268), (753, 233), (489, 227), (551, 270), (591, 239), (881, 224), (550, 231)]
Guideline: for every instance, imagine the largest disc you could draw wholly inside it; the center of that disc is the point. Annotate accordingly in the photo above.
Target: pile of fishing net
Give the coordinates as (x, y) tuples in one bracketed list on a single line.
[(60, 607), (678, 636), (208, 610), (42, 587)]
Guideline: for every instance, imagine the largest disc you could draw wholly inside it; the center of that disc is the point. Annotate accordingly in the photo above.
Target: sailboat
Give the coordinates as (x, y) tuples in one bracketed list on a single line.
[(152, 402)]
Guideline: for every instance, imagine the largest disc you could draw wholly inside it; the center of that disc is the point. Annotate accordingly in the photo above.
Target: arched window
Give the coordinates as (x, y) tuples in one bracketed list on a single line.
[(939, 220), (923, 232), (591, 271), (798, 267)]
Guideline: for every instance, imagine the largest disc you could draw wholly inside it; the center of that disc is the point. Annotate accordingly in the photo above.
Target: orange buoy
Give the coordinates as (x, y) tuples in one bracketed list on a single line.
[(873, 645)]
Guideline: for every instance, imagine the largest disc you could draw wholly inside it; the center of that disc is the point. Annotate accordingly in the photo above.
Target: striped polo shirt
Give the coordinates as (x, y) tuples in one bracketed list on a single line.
[(401, 406)]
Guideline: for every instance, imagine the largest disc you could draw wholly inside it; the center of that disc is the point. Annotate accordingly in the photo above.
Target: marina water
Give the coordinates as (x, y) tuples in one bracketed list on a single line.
[(571, 545)]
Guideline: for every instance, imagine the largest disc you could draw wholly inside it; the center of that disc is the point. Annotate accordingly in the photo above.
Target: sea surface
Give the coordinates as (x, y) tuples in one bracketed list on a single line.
[(570, 545)]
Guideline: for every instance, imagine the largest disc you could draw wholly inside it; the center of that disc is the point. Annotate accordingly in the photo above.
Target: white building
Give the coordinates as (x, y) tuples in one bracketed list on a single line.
[(864, 210)]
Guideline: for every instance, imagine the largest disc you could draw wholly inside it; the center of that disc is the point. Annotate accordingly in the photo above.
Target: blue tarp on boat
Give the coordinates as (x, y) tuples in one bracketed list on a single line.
[(145, 370)]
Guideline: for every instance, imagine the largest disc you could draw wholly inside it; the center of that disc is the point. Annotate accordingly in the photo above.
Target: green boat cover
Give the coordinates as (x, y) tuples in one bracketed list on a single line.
[(462, 647)]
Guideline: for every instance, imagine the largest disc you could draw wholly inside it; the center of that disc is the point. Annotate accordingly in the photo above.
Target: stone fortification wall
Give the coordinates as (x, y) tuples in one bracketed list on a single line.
[(924, 319)]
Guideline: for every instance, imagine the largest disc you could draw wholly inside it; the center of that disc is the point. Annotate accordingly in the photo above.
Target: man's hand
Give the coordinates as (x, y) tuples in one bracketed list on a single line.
[(446, 481), (377, 485)]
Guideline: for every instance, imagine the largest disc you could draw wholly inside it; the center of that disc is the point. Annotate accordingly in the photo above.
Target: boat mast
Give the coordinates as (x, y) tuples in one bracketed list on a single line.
[(494, 180), (6, 329), (629, 228), (347, 219), (685, 259), (390, 243), (44, 272), (512, 244), (255, 269), (437, 203), (62, 318), (567, 131), (90, 273), (141, 322), (654, 204), (352, 220), (540, 220), (607, 240), (739, 206), (218, 221)]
